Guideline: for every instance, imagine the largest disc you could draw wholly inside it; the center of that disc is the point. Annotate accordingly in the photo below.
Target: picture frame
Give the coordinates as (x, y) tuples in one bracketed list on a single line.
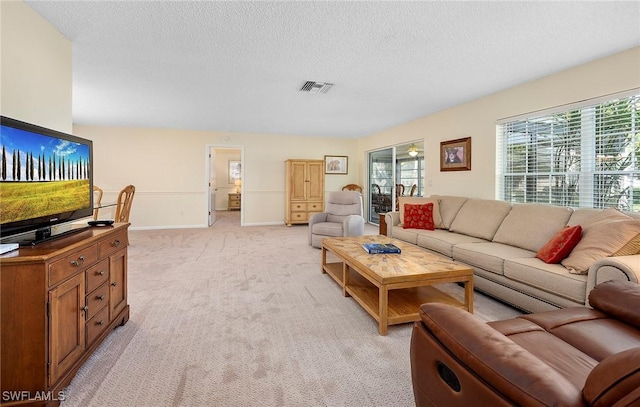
[(336, 164), (455, 155), (235, 171)]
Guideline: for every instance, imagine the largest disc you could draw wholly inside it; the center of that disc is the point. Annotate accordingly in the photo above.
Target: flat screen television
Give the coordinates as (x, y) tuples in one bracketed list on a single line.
[(46, 179)]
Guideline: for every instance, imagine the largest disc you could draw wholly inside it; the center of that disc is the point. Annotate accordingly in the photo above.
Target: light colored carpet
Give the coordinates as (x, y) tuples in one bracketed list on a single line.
[(243, 316)]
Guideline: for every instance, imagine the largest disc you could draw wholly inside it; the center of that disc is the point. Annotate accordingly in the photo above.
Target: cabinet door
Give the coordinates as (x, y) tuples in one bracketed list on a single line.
[(66, 326), (298, 181), (315, 184), (117, 283)]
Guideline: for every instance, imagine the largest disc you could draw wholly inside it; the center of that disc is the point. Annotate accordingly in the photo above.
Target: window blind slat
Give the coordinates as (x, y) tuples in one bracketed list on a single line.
[(579, 157)]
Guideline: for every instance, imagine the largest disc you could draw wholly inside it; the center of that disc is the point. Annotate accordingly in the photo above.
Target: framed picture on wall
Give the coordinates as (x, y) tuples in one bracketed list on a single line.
[(336, 164), (455, 155), (235, 171)]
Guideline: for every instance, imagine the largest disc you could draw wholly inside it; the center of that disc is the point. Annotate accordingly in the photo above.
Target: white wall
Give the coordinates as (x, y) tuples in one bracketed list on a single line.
[(477, 119), (35, 69)]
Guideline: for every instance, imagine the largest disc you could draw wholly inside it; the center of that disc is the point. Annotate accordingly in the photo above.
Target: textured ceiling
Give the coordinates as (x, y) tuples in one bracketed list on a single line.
[(238, 66)]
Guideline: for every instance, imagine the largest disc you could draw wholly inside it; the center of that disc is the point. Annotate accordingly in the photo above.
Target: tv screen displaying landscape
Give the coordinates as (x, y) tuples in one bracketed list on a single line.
[(42, 176)]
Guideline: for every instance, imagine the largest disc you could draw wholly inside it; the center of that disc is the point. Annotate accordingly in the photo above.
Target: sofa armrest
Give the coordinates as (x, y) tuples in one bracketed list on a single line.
[(353, 225), (502, 364), (618, 299), (613, 379), (624, 268), (392, 220)]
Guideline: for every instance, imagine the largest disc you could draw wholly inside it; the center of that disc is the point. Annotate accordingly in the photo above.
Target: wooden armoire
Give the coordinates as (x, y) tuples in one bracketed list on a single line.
[(304, 190)]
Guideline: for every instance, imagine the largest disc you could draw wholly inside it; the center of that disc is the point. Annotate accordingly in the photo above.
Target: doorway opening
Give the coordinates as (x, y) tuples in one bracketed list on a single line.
[(394, 172), (225, 173)]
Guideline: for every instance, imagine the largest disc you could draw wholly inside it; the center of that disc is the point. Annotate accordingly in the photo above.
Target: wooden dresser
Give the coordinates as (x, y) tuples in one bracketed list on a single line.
[(304, 190), (60, 299), (234, 201)]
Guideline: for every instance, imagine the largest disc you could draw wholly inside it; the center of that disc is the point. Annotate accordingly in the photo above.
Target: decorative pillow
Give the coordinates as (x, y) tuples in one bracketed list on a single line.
[(600, 239), (418, 216), (417, 200), (632, 247), (560, 245)]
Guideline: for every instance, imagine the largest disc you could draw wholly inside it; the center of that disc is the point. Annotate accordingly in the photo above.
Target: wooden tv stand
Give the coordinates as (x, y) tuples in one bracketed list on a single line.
[(59, 301)]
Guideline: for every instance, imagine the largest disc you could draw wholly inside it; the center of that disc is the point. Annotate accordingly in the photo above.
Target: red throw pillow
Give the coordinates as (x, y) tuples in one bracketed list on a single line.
[(560, 245), (418, 216)]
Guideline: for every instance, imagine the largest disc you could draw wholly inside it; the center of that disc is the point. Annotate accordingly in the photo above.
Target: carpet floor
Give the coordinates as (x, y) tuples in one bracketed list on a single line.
[(243, 316)]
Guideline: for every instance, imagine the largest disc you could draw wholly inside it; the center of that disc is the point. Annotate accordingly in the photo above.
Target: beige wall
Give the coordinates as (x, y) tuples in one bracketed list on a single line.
[(35, 69), (169, 170), (477, 119)]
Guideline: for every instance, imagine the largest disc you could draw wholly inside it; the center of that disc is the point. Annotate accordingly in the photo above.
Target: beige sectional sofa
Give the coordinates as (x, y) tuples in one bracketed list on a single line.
[(500, 240)]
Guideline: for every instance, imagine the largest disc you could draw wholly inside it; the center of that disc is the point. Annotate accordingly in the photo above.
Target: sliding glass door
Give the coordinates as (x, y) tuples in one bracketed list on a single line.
[(381, 176), (394, 172)]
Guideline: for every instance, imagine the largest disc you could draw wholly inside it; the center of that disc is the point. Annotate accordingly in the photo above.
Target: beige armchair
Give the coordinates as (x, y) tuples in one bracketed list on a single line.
[(343, 216)]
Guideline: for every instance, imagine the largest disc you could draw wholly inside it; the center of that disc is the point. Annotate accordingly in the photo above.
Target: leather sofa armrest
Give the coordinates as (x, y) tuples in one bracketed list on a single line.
[(503, 364), (623, 268), (614, 379), (618, 299)]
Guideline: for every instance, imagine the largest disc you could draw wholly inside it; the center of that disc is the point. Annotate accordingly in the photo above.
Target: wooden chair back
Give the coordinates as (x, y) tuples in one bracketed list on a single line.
[(413, 189), (97, 200), (399, 193), (125, 199), (352, 187)]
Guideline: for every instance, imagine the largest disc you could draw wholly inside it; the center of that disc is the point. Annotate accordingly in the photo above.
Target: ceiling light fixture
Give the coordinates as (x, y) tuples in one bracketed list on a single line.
[(412, 150)]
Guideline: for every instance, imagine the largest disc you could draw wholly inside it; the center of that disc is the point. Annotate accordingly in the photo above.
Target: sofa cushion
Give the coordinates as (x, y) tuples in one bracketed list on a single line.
[(582, 216), (560, 244), (488, 256), (442, 241), (593, 332), (602, 236), (449, 207), (327, 229), (570, 362), (407, 235), (480, 218), (418, 216), (531, 226), (552, 278), (437, 219)]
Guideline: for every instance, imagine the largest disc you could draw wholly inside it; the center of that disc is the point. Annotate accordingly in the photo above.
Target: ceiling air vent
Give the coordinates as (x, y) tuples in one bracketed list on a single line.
[(316, 87)]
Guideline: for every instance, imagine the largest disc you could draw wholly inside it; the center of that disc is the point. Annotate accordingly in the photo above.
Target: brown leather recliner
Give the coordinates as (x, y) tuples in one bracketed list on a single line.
[(576, 356)]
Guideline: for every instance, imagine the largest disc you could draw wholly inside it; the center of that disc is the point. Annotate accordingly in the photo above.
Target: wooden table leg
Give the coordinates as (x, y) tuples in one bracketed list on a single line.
[(324, 259), (468, 295), (345, 279), (383, 310)]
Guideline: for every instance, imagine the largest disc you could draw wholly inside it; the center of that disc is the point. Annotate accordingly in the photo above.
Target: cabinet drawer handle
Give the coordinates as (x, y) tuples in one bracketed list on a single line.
[(85, 308), (100, 323), (114, 284), (79, 262), (115, 243), (100, 298), (100, 273)]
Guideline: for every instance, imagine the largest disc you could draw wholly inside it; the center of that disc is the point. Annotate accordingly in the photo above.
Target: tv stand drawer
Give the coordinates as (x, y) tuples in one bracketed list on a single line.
[(70, 265)]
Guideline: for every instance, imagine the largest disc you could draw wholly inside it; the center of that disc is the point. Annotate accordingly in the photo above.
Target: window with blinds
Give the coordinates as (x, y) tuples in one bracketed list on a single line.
[(583, 155)]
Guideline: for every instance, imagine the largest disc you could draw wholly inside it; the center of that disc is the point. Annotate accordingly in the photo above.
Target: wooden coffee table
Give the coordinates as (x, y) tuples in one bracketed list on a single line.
[(391, 287)]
